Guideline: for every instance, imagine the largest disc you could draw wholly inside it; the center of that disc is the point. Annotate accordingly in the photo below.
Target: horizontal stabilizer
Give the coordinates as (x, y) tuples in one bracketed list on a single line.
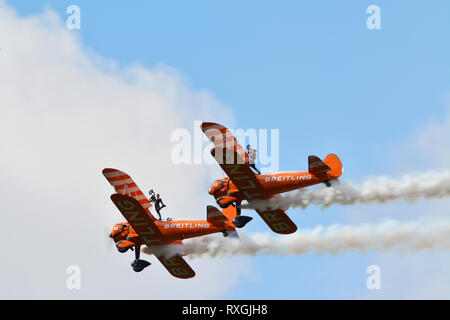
[(317, 166), (214, 216)]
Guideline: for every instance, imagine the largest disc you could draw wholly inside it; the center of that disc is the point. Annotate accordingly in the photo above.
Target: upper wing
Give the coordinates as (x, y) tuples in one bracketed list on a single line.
[(138, 218), (246, 181), (223, 138), (177, 266), (123, 184)]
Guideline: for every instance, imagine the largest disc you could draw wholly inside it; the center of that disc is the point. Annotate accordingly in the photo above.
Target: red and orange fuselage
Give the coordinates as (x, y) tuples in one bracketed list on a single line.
[(225, 192), (172, 230)]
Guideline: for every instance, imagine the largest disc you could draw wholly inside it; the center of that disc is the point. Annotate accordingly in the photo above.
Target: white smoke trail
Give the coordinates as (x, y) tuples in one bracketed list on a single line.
[(377, 190), (390, 235)]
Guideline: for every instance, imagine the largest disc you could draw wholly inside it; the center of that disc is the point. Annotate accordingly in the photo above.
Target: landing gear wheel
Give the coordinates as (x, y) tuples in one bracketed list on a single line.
[(122, 250), (241, 221), (139, 265), (230, 234)]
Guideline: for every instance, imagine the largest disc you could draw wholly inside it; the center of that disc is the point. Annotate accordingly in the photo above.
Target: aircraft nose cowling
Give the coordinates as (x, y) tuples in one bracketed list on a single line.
[(225, 201), (124, 245)]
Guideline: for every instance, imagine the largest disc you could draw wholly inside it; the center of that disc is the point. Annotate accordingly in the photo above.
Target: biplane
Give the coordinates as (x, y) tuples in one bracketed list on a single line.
[(243, 184), (163, 238)]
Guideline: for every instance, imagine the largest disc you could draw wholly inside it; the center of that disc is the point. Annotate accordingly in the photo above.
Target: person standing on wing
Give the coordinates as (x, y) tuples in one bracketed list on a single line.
[(252, 158), (159, 204)]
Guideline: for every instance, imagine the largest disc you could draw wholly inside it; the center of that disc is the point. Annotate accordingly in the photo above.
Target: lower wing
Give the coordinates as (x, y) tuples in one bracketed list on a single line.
[(246, 181), (177, 266), (138, 218), (277, 220), (170, 255)]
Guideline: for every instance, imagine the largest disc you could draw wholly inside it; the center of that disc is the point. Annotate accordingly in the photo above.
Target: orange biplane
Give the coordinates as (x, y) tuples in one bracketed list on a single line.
[(243, 184), (142, 228)]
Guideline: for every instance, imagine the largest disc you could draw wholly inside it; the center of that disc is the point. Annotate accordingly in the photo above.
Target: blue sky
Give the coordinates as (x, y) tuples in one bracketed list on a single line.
[(311, 69)]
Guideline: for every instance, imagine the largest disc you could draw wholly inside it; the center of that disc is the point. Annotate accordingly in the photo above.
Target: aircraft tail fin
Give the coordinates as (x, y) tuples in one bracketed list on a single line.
[(220, 218), (214, 216), (335, 164), (230, 212), (317, 167), (330, 166)]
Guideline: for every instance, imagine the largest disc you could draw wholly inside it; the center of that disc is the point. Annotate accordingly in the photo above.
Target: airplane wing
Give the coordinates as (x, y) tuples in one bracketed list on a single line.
[(138, 218), (123, 184), (278, 221), (223, 138), (246, 181), (177, 266)]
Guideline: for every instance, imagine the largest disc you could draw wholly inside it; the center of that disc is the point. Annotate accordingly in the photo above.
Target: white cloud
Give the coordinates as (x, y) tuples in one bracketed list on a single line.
[(67, 113), (423, 275), (433, 141)]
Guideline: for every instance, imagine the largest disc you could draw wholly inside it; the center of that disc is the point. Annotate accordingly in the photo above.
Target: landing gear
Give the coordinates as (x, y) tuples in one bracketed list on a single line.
[(327, 183), (230, 233), (138, 264), (241, 221)]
